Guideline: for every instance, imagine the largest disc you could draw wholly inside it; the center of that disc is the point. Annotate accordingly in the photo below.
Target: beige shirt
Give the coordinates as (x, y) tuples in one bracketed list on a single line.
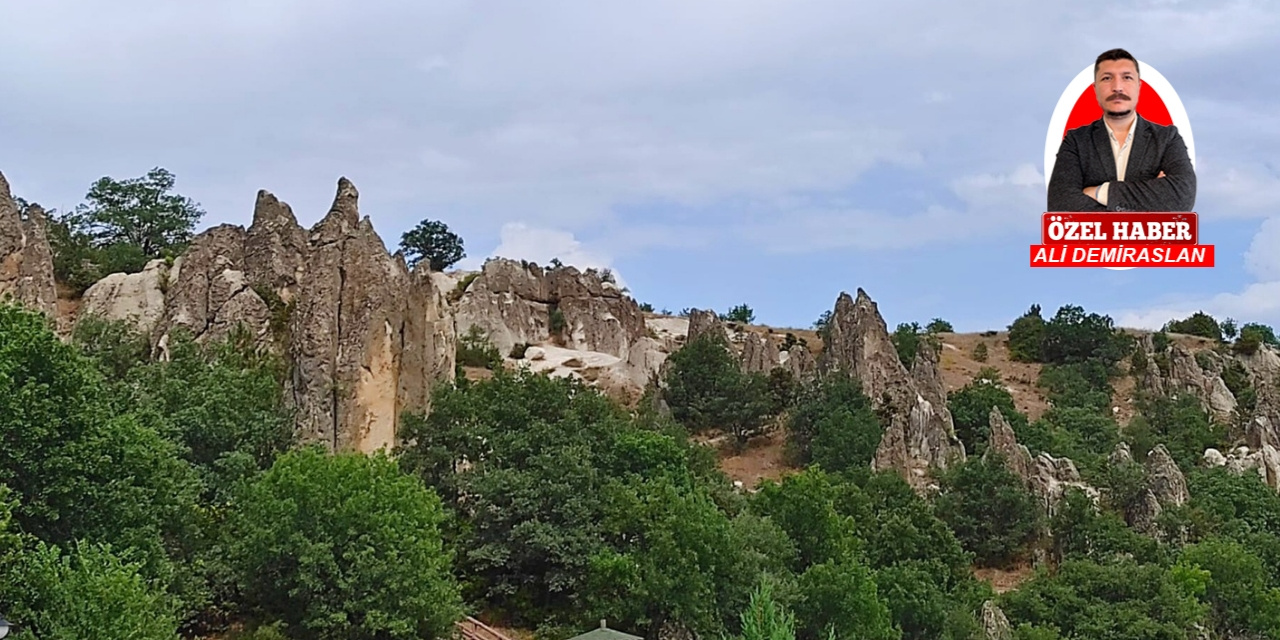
[(1121, 154)]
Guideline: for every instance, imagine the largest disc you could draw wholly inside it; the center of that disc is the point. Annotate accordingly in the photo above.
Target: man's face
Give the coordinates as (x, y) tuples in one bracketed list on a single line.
[(1116, 84)]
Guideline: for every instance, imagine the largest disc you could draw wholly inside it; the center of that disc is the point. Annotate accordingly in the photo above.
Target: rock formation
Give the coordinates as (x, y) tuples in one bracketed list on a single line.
[(919, 434), (516, 302), (26, 261), (995, 625), (1264, 461), (365, 337), (1165, 486), (368, 339), (1179, 370), (136, 297), (1047, 477)]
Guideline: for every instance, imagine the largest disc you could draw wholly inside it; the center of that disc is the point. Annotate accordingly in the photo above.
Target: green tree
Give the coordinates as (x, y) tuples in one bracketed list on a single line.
[(706, 388), (1073, 336), (740, 313), (906, 340), (81, 470), (139, 214), (432, 241), (91, 592), (1197, 324), (992, 514), (1026, 336), (839, 597), (765, 618), (971, 406), (833, 424), (938, 325), (344, 546), (1240, 600), (1229, 329), (1253, 336)]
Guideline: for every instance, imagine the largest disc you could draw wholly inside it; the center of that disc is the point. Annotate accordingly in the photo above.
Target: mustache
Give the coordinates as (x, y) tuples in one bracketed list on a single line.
[(1118, 95)]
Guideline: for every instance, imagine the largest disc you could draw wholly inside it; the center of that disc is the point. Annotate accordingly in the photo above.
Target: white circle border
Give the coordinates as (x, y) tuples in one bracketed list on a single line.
[(1083, 80)]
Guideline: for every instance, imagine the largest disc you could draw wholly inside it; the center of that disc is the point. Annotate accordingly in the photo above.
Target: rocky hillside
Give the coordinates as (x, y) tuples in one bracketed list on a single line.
[(367, 338)]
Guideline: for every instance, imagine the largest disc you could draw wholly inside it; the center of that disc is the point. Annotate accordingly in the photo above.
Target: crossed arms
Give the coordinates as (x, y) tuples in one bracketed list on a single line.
[(1174, 189)]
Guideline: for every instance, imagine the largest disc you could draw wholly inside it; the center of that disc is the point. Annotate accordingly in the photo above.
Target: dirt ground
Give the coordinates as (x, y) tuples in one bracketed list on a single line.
[(763, 459), (1003, 580), (959, 367)]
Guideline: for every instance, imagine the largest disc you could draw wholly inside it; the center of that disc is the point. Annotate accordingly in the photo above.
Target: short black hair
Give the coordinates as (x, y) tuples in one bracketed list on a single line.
[(1115, 54)]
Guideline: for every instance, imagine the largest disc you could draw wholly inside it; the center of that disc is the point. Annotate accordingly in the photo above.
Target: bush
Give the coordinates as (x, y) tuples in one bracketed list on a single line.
[(344, 546), (91, 592), (971, 410), (1197, 324), (980, 352), (556, 323), (706, 389), (1253, 336), (1026, 335), (518, 350), (906, 340), (938, 325), (992, 514), (475, 350), (833, 425), (740, 313)]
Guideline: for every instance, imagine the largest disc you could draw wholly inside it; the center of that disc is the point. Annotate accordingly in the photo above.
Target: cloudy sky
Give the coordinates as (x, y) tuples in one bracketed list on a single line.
[(712, 152)]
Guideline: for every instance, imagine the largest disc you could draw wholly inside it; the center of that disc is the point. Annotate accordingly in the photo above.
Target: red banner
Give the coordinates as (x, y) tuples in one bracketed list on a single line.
[(1121, 255), (1119, 228)]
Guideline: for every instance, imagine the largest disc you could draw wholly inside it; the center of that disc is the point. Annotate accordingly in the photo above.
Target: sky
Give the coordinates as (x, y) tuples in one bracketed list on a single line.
[(767, 152)]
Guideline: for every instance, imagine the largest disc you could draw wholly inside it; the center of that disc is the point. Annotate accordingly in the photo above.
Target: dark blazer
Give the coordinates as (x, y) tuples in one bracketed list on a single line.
[(1085, 160)]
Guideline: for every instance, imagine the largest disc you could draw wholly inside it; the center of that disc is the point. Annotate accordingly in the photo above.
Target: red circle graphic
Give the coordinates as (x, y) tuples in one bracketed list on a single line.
[(1086, 110)]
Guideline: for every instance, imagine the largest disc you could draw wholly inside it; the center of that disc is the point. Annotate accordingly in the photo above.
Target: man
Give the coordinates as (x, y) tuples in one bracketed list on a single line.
[(1121, 162)]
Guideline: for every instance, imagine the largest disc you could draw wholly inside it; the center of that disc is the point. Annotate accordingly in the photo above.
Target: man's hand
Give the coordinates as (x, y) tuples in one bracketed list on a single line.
[(1092, 192), (1161, 175)]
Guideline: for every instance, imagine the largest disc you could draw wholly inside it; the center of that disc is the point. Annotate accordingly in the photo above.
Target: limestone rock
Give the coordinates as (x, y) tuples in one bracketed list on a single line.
[(995, 625), (26, 260), (275, 247), (1120, 455), (701, 321), (759, 353), (136, 298), (1004, 443), (1264, 461), (799, 361), (368, 338), (1165, 479), (1184, 373), (920, 434)]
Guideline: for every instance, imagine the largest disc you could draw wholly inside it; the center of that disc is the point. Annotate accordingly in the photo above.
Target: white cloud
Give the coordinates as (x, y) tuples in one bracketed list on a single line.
[(1256, 302)]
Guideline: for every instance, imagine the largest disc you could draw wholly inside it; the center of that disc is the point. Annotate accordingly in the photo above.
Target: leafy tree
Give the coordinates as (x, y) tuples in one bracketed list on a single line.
[(971, 406), (1237, 593), (1117, 599), (140, 212), (1073, 336), (344, 546), (568, 504), (833, 424), (938, 325), (706, 388), (992, 514), (980, 352), (1253, 336), (840, 597), (823, 326), (805, 506), (1026, 336), (90, 592), (80, 470), (1197, 324), (906, 340), (432, 241), (1229, 329), (1182, 425), (740, 313)]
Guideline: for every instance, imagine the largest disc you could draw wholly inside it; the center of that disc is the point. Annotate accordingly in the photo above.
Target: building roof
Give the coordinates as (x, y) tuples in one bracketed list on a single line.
[(605, 633)]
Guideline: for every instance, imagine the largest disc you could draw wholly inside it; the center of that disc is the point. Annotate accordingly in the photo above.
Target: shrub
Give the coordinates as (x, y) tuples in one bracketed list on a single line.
[(740, 313), (1197, 324), (475, 350), (705, 389), (938, 325), (518, 350), (992, 514), (971, 410), (344, 546), (980, 352)]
